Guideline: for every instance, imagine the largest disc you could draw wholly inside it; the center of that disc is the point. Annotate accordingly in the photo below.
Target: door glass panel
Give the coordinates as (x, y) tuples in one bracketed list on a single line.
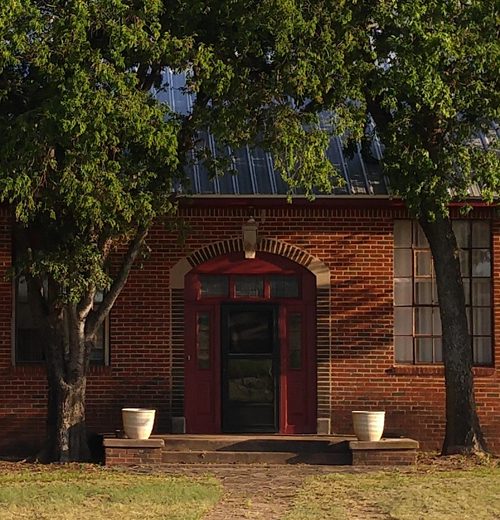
[(213, 286), (284, 287), (250, 380), (249, 286), (294, 340), (251, 332), (203, 339)]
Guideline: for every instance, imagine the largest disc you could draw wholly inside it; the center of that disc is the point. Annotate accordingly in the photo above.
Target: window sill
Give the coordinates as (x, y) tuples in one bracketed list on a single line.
[(39, 368), (430, 370)]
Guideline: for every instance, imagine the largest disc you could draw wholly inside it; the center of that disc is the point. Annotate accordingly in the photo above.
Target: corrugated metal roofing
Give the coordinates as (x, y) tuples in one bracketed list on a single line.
[(254, 166)]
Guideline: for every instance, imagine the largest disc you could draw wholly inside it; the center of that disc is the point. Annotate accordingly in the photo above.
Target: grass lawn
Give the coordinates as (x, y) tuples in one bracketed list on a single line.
[(90, 492), (420, 494)]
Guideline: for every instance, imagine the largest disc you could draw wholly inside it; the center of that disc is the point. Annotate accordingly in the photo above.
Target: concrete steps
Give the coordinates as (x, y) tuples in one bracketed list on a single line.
[(240, 449), (258, 449)]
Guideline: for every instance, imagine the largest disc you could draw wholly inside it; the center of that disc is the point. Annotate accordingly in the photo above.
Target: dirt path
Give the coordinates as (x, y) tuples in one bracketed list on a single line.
[(254, 491)]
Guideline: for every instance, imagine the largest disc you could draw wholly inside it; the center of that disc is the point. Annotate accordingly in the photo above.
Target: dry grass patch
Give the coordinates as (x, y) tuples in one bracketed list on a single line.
[(427, 493), (87, 492)]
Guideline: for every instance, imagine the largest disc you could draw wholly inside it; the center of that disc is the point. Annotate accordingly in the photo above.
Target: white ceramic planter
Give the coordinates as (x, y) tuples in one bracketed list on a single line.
[(138, 422), (368, 426)]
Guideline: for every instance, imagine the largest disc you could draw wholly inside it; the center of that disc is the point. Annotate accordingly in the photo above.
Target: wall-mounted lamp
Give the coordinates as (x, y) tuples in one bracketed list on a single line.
[(250, 238)]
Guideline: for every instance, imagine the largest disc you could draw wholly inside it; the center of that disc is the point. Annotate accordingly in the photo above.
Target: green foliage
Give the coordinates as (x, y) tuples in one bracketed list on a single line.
[(87, 156), (426, 71)]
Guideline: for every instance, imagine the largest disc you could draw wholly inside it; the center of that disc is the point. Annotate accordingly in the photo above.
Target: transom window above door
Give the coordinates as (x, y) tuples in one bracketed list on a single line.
[(248, 286)]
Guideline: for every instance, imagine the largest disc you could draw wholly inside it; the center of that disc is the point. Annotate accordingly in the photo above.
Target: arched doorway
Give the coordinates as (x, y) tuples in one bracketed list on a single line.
[(250, 353)]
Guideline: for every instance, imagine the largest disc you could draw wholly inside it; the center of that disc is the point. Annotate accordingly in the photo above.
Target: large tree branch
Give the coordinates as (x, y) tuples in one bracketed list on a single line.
[(380, 115), (98, 317)]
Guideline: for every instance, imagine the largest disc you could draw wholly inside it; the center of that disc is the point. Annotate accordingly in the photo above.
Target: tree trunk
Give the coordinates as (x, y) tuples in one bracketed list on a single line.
[(67, 358), (463, 431), (66, 431)]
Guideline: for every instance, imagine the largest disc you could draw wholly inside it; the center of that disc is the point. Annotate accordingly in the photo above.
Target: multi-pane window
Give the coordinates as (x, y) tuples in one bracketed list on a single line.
[(417, 324), (29, 339), (243, 286)]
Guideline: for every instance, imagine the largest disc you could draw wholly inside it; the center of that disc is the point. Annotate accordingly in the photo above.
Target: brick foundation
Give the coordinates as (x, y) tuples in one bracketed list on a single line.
[(131, 452), (386, 452)]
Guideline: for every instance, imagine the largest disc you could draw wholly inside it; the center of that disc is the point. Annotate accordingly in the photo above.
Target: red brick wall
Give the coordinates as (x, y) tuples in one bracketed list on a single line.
[(356, 245)]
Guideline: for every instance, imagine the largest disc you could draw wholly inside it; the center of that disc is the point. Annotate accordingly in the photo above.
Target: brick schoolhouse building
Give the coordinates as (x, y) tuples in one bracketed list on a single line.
[(274, 317)]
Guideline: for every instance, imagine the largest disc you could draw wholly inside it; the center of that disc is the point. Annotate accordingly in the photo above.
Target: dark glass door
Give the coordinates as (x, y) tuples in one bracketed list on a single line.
[(250, 357)]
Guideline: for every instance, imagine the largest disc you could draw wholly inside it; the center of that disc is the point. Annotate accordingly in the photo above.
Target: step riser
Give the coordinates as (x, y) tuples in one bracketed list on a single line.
[(222, 457), (249, 446)]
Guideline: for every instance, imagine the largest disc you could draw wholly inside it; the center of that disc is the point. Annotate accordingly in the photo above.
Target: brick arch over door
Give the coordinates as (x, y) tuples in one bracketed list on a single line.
[(323, 323)]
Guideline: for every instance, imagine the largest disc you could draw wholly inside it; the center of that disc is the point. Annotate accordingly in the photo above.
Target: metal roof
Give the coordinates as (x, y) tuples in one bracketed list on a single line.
[(254, 166)]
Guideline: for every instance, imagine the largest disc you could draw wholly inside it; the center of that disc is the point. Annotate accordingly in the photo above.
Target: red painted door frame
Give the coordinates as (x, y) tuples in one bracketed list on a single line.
[(202, 378)]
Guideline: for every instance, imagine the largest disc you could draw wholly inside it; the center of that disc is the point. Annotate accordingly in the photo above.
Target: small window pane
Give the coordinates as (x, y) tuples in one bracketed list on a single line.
[(402, 291), (249, 286), (420, 238), (423, 263), (481, 291), (481, 234), (464, 257), (97, 354), (481, 321), (22, 290), (213, 286), (403, 349), (466, 283), (402, 233), (423, 350), (294, 340), (423, 292), (203, 340), (403, 321), (481, 262), (462, 232), (438, 350), (402, 263), (284, 287), (436, 322), (423, 320), (482, 351)]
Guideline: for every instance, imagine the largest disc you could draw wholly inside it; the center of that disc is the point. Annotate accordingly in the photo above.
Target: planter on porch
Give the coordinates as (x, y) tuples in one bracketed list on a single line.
[(368, 426), (138, 422)]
